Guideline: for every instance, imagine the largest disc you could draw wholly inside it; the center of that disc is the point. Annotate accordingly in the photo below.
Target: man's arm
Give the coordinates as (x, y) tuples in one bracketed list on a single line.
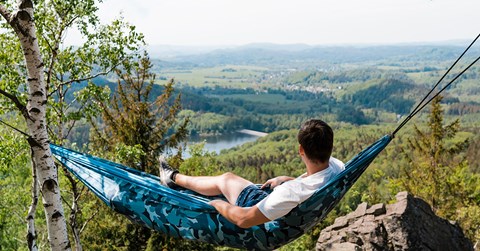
[(276, 181), (243, 217)]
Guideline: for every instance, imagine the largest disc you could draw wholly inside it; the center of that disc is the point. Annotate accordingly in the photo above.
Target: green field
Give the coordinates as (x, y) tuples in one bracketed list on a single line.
[(225, 76)]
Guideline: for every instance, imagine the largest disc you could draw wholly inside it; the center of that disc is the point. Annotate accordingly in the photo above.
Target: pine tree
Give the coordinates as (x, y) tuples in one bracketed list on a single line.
[(431, 159), (138, 122), (439, 173), (137, 125)]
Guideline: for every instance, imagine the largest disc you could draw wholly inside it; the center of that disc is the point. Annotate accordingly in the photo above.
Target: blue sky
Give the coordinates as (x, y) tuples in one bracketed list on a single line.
[(314, 22)]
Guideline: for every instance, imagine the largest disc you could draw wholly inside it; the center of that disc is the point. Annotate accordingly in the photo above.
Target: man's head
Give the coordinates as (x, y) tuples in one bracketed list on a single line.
[(316, 139)]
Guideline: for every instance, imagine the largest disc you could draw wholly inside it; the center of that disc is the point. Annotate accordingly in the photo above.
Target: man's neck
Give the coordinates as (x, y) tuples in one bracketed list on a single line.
[(313, 167)]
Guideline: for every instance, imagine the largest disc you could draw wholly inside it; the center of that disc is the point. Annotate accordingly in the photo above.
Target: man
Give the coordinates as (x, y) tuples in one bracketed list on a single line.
[(249, 205)]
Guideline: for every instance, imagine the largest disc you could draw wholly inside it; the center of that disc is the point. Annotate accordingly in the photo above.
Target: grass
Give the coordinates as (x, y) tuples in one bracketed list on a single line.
[(225, 76)]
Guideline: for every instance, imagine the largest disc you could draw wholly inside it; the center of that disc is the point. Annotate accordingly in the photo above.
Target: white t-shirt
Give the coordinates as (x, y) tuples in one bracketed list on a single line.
[(293, 192)]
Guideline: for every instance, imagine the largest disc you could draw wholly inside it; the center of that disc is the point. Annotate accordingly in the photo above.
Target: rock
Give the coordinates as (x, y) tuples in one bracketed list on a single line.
[(339, 223), (343, 247), (361, 209), (409, 224), (377, 209)]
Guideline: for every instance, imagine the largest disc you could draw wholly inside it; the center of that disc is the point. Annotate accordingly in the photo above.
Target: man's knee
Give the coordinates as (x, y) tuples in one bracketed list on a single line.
[(229, 176), (231, 186), (232, 179)]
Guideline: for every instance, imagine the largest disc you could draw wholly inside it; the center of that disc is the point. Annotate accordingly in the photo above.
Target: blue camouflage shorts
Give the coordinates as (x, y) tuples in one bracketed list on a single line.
[(250, 196)]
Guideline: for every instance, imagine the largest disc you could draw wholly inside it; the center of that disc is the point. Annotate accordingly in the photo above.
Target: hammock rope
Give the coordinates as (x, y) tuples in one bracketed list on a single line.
[(420, 106)]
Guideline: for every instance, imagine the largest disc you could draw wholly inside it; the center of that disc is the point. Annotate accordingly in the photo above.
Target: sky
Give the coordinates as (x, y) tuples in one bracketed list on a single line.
[(313, 22)]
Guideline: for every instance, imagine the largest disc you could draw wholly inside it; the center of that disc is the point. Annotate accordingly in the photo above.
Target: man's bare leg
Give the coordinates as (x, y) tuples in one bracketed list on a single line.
[(228, 184)]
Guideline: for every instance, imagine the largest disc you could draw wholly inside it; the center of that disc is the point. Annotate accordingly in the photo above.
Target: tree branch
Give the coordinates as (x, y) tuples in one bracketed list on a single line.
[(70, 22), (17, 102), (88, 220), (5, 13), (66, 202), (52, 60), (72, 125), (82, 79), (82, 192)]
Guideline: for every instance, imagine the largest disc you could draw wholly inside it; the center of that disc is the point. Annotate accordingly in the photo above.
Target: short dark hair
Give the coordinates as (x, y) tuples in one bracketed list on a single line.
[(316, 138)]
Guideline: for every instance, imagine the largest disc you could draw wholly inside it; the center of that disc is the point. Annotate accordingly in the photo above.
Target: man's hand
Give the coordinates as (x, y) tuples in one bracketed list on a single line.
[(243, 217), (276, 181)]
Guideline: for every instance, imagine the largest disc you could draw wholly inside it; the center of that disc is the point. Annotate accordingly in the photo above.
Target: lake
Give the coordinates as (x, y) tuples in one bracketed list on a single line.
[(217, 143)]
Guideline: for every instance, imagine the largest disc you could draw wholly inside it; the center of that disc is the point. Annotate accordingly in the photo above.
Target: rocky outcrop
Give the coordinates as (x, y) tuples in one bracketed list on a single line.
[(409, 224)]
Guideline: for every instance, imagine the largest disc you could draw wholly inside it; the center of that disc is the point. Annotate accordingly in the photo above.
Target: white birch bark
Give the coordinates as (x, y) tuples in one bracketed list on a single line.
[(31, 233), (23, 23)]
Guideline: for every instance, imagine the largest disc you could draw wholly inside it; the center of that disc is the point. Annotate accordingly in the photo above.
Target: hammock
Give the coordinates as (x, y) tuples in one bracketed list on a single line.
[(185, 214)]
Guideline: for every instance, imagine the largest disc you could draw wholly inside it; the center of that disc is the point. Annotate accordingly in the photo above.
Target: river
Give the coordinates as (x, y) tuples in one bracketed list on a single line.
[(217, 143)]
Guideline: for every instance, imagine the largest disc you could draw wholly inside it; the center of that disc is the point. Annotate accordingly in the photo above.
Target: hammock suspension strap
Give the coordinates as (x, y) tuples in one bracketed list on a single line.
[(422, 105)]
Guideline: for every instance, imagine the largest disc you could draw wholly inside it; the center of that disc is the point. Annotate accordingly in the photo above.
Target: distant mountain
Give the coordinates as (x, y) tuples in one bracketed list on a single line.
[(278, 54), (172, 51), (276, 47)]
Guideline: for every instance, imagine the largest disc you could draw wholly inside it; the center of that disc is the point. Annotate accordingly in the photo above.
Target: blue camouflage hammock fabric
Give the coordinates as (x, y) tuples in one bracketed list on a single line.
[(185, 214)]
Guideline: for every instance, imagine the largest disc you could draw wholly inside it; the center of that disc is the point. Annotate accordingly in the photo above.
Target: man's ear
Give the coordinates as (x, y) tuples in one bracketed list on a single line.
[(301, 151)]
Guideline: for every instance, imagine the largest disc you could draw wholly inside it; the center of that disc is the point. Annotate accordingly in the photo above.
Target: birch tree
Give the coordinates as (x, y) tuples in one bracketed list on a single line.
[(36, 73), (22, 22)]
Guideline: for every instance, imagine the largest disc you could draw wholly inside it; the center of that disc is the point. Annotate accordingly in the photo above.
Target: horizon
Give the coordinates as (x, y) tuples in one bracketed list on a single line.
[(164, 51)]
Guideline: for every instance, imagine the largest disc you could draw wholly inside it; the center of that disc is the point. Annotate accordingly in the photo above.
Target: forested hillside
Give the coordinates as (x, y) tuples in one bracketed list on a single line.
[(268, 54)]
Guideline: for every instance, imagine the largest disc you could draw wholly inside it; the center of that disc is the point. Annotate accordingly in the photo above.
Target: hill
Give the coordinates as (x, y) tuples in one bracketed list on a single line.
[(275, 54)]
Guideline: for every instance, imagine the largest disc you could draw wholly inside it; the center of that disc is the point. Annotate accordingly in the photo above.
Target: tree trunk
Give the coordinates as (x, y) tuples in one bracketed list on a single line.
[(23, 23), (74, 225), (31, 233), (74, 210)]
